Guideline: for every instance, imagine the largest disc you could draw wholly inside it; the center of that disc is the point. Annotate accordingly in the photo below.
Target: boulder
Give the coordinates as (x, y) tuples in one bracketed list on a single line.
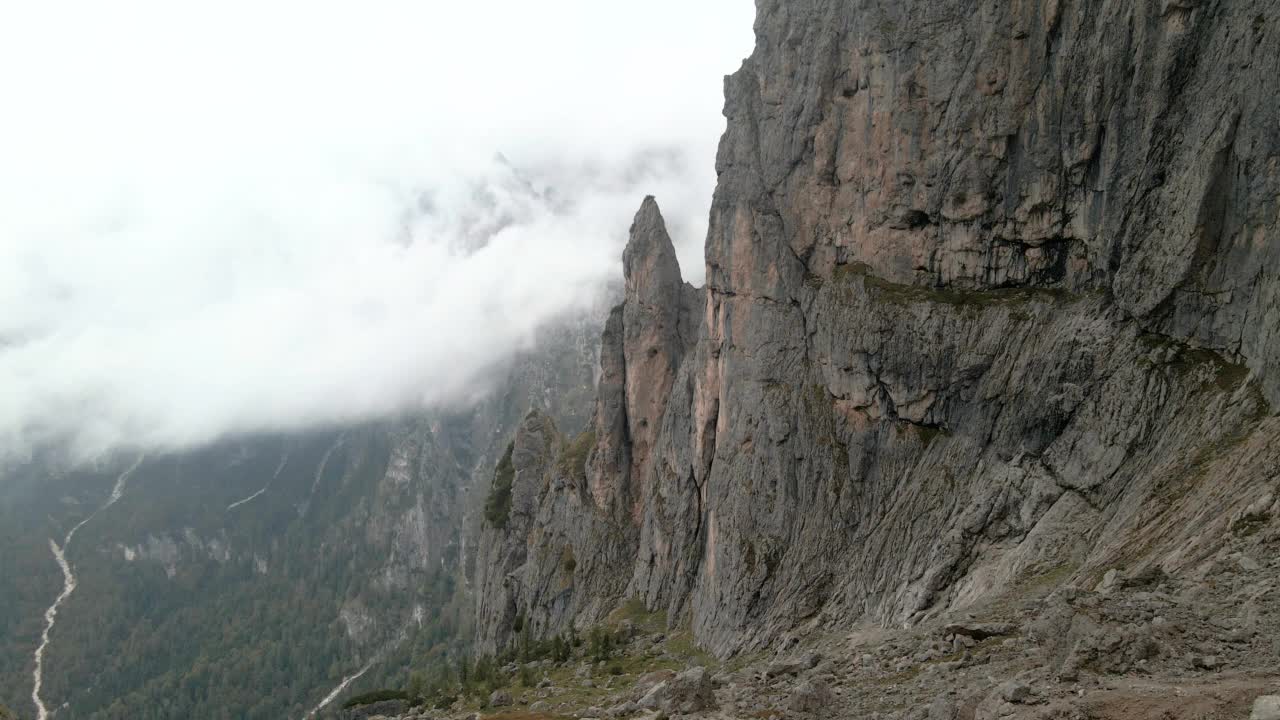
[(1016, 692), (1266, 707), (810, 696), (688, 692)]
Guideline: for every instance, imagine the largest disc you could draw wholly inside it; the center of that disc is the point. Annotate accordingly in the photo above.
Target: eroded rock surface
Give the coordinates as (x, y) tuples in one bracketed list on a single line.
[(992, 303)]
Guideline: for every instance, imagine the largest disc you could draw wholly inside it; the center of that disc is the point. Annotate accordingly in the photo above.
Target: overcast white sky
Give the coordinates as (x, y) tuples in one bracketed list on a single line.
[(247, 215)]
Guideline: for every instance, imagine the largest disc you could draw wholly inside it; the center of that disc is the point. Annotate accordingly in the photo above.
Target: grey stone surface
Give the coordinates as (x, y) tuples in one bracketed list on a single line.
[(992, 296), (688, 692), (811, 696), (1016, 692), (1266, 707)]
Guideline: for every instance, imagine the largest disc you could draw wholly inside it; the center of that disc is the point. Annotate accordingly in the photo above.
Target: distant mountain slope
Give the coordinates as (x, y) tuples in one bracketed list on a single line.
[(248, 579)]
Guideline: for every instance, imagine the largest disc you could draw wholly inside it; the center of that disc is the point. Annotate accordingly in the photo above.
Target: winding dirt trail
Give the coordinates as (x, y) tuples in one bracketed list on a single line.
[(324, 461), (284, 459), (68, 586), (346, 681), (333, 695)]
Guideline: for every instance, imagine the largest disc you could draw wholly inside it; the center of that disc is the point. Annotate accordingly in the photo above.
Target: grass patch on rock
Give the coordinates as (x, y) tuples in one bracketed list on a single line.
[(907, 294), (497, 506), (573, 460)]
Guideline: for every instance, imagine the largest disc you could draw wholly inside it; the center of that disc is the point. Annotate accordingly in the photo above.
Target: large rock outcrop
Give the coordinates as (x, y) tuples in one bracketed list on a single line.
[(574, 521), (643, 346), (993, 295)]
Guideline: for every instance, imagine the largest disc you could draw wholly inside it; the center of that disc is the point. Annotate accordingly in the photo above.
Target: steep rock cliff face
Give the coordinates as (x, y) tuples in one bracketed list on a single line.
[(572, 526), (992, 295)]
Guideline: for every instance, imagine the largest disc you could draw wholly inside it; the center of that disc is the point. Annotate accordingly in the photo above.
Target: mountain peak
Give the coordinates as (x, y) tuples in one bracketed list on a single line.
[(649, 261)]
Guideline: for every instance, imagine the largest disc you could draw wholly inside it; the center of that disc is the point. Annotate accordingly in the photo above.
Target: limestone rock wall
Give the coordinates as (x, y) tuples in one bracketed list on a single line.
[(993, 295)]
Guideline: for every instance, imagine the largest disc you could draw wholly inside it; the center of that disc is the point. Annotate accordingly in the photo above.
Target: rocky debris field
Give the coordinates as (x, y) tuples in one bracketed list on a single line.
[(1119, 645)]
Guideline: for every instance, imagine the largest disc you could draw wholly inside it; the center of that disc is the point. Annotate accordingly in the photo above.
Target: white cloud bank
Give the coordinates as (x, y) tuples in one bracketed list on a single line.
[(240, 216)]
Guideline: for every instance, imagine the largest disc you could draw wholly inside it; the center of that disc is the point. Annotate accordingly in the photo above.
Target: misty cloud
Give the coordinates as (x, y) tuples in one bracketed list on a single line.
[(253, 218)]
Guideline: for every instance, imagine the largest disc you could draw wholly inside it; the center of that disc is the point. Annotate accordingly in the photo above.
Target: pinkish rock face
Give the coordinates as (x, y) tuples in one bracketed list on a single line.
[(654, 342), (981, 284)]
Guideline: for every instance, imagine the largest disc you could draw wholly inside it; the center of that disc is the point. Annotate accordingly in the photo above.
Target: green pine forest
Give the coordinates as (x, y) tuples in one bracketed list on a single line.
[(225, 613)]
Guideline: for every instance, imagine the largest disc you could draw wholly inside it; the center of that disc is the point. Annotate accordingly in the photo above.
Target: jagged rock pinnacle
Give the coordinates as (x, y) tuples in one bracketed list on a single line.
[(649, 261)]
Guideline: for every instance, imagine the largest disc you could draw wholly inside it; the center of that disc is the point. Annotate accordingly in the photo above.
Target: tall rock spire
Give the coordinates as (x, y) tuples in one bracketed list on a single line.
[(651, 326), (643, 346)]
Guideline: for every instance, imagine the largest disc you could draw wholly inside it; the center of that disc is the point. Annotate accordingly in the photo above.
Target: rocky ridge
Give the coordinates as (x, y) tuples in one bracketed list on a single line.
[(1147, 646), (991, 305)]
